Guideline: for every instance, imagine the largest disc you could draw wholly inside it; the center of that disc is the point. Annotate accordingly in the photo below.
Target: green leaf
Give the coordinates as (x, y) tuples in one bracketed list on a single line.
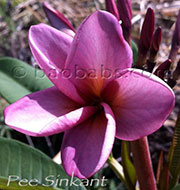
[(135, 51), (128, 167), (18, 79), (16, 186), (24, 162), (174, 156)]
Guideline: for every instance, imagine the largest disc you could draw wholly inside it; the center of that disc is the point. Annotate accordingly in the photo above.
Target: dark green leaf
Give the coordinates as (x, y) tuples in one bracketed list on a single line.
[(25, 162), (16, 186), (18, 79)]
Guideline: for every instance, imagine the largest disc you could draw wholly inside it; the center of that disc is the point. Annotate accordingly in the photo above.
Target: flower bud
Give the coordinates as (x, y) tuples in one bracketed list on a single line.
[(125, 13), (155, 43), (163, 68), (111, 7), (146, 37), (175, 40), (58, 20), (154, 49)]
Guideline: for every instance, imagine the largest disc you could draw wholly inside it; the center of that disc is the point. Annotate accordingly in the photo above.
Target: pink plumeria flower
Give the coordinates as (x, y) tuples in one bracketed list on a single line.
[(95, 109)]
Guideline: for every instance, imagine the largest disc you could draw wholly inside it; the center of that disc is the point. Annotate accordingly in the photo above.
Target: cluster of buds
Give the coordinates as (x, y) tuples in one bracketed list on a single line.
[(149, 41), (148, 48)]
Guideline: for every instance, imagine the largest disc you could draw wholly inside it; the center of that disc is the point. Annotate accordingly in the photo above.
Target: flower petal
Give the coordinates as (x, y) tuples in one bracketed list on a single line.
[(45, 113), (97, 45), (86, 147), (140, 102), (58, 20), (50, 48)]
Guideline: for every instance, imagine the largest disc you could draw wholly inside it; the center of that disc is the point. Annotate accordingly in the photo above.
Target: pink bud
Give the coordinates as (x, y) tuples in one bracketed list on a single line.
[(175, 40), (125, 13), (111, 7), (147, 32), (146, 37), (58, 20), (161, 70), (156, 42), (154, 49)]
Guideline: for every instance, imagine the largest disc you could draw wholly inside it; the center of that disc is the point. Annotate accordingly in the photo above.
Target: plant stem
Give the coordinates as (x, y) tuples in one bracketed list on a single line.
[(117, 168), (143, 164)]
